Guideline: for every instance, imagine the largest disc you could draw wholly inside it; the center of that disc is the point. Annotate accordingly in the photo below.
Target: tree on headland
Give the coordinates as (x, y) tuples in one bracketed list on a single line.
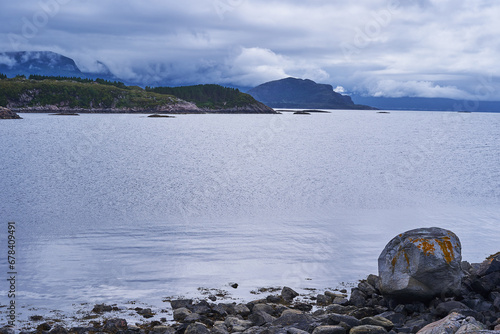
[(207, 96)]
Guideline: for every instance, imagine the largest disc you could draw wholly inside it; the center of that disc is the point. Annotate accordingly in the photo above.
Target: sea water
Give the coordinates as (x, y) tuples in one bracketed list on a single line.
[(125, 208)]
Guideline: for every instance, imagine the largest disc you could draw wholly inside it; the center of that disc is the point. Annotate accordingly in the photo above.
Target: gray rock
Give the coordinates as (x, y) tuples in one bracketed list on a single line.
[(367, 288), (235, 324), (8, 114), (358, 298), (335, 319), (193, 317), (323, 300), (337, 308), (274, 299), (470, 325), (260, 318), (254, 330), (490, 265), (296, 318), (162, 330), (294, 330), (288, 294), (378, 321), (329, 330), (181, 303), (263, 308), (398, 319), (450, 325), (115, 325), (415, 325), (364, 312), (201, 308), (421, 264), (219, 328), (445, 308), (242, 309), (197, 328), (334, 295), (181, 313), (367, 329)]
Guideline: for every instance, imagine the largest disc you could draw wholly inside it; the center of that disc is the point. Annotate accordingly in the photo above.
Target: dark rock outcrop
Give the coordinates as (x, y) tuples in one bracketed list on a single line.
[(8, 114), (299, 93), (421, 264)]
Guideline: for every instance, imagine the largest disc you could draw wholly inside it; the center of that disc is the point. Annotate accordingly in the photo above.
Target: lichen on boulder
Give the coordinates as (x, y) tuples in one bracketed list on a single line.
[(421, 264)]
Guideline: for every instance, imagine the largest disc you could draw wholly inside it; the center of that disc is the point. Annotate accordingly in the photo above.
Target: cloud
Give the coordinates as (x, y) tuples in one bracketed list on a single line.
[(394, 88), (417, 47), (340, 90), (6, 60)]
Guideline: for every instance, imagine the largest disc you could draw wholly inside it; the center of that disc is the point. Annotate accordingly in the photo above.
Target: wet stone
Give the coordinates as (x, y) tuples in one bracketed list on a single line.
[(179, 303), (329, 330), (181, 313), (197, 328), (367, 329)]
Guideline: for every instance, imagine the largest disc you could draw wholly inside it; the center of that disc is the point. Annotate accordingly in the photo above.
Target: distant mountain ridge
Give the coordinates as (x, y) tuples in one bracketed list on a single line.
[(46, 63), (428, 104), (302, 93)]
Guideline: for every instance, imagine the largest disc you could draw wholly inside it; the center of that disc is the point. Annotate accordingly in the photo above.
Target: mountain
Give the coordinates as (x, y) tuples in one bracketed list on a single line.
[(50, 94), (427, 104), (46, 63), (302, 94)]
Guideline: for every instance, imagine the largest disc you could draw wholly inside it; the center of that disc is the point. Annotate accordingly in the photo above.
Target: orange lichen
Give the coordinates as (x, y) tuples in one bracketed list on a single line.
[(424, 245), (395, 259), (446, 248)]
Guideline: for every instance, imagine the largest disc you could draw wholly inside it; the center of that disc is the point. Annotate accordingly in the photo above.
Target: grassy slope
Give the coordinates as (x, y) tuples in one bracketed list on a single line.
[(31, 93)]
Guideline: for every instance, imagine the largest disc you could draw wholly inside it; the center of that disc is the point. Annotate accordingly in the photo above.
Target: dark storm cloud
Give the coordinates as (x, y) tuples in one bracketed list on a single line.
[(383, 48)]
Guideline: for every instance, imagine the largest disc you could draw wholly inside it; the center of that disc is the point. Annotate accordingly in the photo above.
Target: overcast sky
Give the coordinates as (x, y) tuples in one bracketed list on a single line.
[(428, 48)]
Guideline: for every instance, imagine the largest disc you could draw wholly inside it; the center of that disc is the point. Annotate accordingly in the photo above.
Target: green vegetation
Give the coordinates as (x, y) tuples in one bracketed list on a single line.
[(207, 96), (2, 76), (87, 95), (77, 79), (80, 93)]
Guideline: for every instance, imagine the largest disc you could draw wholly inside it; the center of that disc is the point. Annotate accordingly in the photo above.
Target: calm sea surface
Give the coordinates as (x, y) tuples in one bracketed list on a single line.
[(117, 208)]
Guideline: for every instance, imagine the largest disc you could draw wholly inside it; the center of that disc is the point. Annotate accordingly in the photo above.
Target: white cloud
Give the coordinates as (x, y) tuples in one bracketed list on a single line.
[(6, 60), (394, 88), (340, 90)]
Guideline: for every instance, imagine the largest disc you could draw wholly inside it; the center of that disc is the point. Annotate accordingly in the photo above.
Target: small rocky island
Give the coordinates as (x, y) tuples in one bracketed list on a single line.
[(423, 287), (8, 114)]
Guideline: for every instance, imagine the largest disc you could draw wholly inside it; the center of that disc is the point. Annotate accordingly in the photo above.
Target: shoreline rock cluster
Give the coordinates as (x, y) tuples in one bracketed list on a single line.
[(472, 306), (8, 114)]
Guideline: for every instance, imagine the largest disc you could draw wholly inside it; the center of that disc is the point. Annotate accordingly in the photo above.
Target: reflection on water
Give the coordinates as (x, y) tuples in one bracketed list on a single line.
[(112, 208)]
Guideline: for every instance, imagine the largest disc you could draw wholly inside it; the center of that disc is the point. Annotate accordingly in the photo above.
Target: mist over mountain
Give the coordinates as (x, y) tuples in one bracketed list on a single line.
[(47, 63)]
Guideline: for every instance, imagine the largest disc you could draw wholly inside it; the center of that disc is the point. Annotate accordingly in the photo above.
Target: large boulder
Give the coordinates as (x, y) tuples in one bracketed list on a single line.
[(421, 264)]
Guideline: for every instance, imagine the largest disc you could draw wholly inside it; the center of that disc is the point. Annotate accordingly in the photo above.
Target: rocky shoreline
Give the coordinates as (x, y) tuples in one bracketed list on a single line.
[(8, 114), (473, 306), (476, 309)]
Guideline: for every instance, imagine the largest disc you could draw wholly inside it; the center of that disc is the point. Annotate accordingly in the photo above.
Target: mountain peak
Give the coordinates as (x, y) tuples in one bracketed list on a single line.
[(37, 62), (301, 93)]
